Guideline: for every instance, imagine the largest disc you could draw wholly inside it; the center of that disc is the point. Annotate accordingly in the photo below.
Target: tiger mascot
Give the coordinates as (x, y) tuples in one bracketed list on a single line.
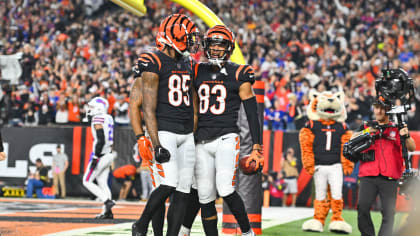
[(321, 143)]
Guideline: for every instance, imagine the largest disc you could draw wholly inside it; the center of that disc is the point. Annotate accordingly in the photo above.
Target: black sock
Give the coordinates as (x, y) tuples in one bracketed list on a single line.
[(192, 209), (108, 205), (209, 218), (237, 207), (158, 220), (176, 212), (155, 201)]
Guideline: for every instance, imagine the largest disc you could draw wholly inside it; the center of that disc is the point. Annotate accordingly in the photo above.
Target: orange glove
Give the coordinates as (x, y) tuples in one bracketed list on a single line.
[(145, 148), (347, 171), (310, 170), (256, 155)]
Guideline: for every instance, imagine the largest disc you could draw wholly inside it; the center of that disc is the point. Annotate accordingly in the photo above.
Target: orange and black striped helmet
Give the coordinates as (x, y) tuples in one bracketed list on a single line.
[(166, 30), (219, 35)]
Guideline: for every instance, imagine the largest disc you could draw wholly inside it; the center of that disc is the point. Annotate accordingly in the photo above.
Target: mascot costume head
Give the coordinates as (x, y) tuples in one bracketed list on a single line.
[(326, 106), (321, 142)]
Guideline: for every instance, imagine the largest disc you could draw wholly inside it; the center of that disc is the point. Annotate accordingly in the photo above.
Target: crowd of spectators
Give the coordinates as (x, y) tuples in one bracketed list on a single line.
[(70, 56)]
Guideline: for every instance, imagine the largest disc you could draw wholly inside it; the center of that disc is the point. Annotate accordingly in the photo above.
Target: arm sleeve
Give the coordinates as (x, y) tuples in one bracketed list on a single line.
[(100, 142), (251, 111), (1, 144)]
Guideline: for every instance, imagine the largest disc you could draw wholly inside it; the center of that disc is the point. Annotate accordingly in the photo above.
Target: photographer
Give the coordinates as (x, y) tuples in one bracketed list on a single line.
[(379, 173)]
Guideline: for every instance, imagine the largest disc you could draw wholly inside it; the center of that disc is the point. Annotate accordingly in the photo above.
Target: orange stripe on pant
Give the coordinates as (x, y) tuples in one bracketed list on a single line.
[(77, 143), (160, 170)]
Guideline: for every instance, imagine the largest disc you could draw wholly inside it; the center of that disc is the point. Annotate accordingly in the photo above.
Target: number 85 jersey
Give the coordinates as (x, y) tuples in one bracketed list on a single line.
[(174, 111), (219, 100)]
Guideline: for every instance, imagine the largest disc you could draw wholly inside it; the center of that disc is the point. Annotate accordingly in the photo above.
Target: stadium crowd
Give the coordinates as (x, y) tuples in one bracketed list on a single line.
[(70, 56)]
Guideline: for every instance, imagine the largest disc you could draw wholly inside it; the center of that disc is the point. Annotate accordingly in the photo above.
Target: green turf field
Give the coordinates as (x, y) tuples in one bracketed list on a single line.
[(288, 229), (295, 228)]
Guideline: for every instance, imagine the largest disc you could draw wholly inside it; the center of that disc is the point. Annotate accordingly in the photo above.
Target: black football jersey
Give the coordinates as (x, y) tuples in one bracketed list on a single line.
[(327, 141), (174, 110), (219, 101)]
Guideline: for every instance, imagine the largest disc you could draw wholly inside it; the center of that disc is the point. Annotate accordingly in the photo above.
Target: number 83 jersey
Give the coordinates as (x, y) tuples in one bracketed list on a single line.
[(219, 100), (174, 110)]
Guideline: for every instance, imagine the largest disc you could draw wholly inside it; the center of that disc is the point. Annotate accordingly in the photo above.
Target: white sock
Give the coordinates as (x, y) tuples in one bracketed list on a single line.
[(249, 233), (184, 231)]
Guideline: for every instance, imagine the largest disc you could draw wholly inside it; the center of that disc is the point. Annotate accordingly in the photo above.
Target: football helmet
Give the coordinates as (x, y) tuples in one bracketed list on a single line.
[(192, 36), (97, 106), (222, 36)]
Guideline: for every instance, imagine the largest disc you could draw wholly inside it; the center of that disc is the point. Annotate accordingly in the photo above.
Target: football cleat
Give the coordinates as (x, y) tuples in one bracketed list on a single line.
[(135, 231), (106, 215)]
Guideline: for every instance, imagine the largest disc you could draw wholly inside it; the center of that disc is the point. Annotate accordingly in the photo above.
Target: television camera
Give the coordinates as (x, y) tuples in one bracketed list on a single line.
[(353, 149), (395, 91)]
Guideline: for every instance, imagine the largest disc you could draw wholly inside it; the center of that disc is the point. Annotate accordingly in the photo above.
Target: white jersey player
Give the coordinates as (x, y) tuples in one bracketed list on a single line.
[(101, 159)]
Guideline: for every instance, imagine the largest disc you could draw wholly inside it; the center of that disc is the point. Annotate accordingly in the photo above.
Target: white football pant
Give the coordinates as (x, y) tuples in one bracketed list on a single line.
[(215, 170), (179, 170), (100, 173)]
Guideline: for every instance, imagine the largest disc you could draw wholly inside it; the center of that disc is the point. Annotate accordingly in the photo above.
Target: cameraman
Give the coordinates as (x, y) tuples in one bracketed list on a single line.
[(379, 174)]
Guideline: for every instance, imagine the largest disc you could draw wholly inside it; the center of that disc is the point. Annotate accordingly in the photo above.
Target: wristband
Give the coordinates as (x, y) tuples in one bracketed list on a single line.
[(139, 136)]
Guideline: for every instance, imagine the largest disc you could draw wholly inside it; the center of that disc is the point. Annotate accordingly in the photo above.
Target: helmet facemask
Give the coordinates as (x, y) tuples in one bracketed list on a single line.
[(217, 50), (218, 45), (194, 41)]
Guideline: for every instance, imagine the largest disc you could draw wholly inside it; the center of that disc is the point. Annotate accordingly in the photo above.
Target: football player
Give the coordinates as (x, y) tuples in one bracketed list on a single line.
[(102, 126), (165, 88), (221, 87)]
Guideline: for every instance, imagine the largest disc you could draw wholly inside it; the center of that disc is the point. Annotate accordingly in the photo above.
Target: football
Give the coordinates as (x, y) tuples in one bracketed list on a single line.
[(250, 170)]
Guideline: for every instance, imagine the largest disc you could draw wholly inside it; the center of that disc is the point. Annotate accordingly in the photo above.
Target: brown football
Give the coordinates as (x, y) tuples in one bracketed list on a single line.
[(250, 170)]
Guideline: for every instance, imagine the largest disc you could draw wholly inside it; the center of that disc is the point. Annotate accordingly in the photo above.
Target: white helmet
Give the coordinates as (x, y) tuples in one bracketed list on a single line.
[(97, 106)]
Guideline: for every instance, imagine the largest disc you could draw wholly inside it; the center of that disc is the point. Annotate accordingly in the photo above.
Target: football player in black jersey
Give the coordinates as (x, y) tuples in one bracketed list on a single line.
[(144, 144), (169, 116), (221, 87)]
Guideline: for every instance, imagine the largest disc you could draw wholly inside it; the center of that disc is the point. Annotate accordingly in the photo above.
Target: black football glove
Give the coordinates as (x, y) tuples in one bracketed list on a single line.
[(162, 155), (94, 162)]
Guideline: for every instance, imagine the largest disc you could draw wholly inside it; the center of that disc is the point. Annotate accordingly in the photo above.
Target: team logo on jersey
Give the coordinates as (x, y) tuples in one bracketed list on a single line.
[(213, 76), (178, 66), (392, 135)]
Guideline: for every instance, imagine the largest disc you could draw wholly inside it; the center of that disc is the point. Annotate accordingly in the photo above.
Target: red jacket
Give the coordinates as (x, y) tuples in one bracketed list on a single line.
[(388, 157)]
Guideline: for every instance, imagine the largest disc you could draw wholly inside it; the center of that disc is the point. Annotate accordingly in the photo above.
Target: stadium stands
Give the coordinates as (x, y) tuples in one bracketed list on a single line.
[(67, 56)]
